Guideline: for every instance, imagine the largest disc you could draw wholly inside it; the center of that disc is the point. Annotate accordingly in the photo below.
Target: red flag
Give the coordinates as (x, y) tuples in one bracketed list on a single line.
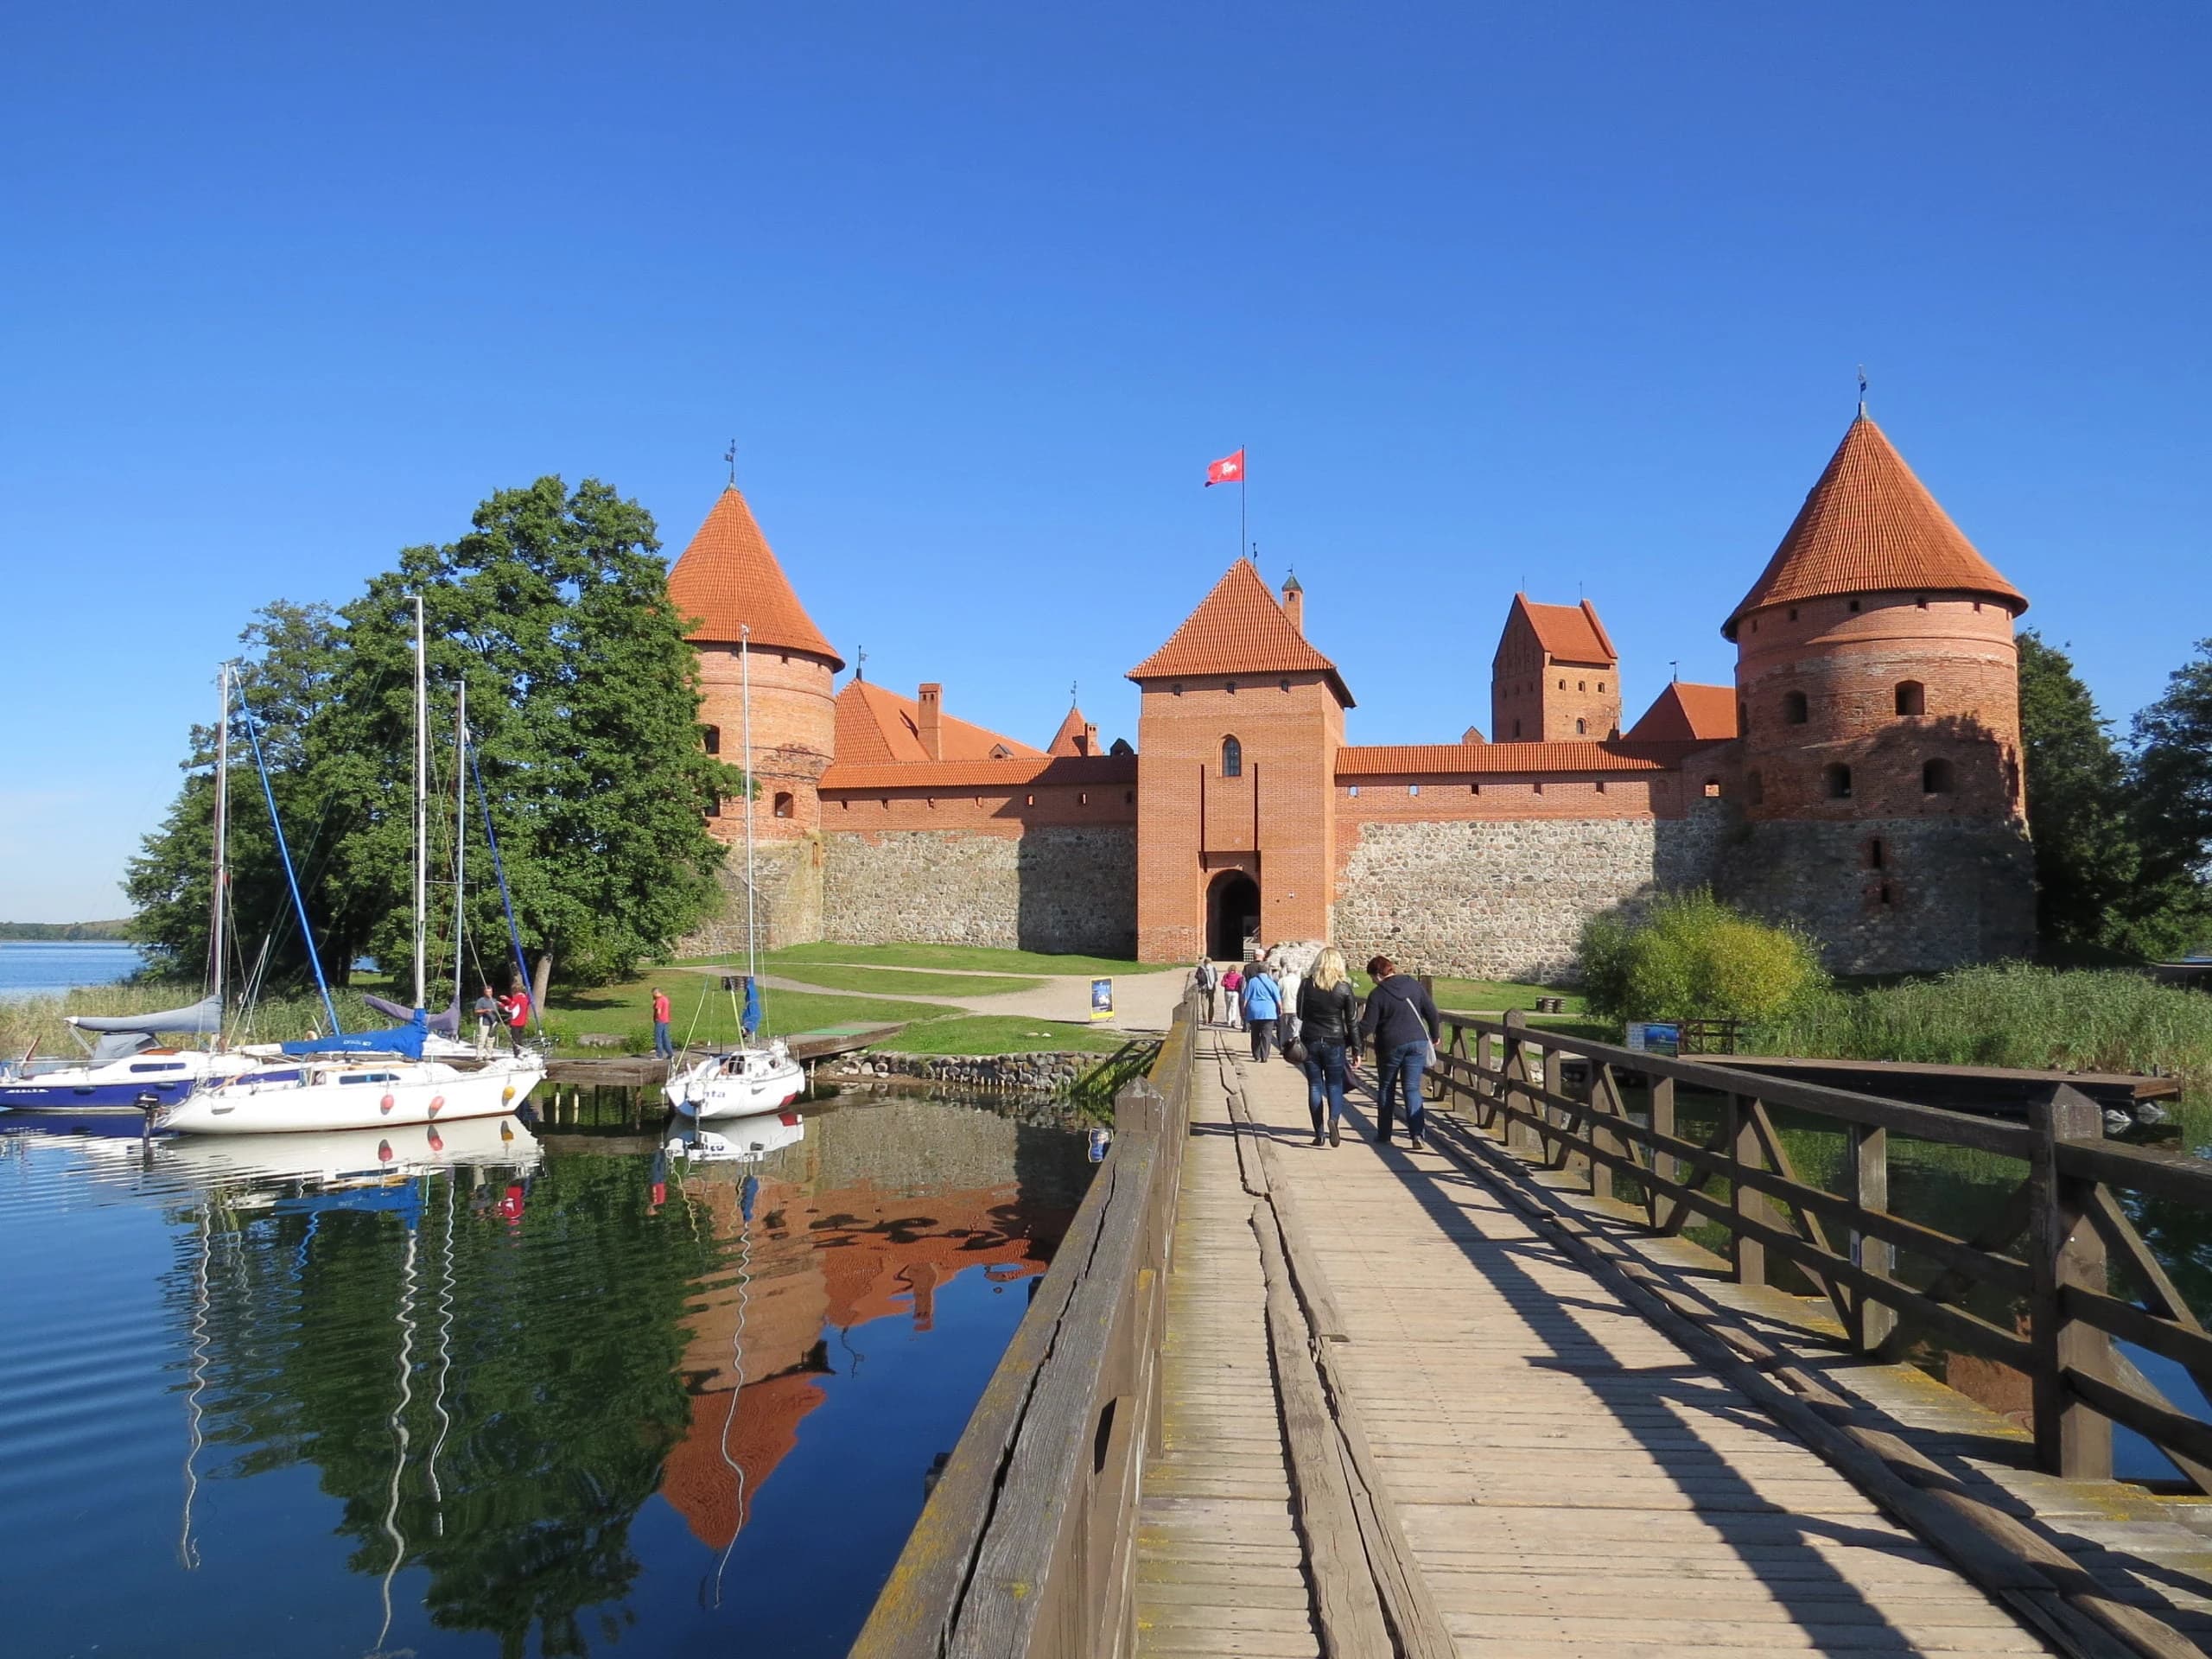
[(1230, 469)]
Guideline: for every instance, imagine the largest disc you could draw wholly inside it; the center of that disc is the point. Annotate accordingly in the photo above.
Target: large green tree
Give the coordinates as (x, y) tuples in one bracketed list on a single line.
[(2172, 787), (2087, 863), (583, 704)]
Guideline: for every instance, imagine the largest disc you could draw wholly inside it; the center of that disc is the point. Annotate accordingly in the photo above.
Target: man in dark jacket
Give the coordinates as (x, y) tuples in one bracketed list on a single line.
[(1401, 1027)]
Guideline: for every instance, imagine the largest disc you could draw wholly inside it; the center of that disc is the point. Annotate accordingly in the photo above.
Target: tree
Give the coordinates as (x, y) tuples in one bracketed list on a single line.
[(583, 704), (2171, 776), (2086, 862)]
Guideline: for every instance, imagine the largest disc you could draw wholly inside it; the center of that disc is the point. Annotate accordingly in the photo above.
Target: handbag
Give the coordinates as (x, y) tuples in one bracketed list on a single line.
[(1295, 1051)]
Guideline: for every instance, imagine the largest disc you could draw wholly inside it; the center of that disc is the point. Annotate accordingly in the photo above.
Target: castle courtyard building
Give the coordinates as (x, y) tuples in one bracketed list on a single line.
[(1862, 776)]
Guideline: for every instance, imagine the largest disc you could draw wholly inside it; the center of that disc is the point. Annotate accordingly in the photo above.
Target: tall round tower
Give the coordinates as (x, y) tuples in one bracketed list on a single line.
[(748, 621), (1877, 690)]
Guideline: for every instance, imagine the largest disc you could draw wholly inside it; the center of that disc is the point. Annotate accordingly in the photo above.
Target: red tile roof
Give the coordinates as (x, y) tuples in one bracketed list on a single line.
[(877, 727), (1572, 633), (1685, 713), (1388, 760), (1071, 736), (1238, 628), (1095, 770), (1869, 526), (728, 579)]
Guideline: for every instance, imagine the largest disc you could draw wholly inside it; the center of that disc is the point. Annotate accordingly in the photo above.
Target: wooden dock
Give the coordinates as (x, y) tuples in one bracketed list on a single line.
[(1276, 1399), (644, 1071)]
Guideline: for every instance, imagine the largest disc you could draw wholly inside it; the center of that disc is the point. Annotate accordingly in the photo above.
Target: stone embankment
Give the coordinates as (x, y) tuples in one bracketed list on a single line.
[(1052, 1074)]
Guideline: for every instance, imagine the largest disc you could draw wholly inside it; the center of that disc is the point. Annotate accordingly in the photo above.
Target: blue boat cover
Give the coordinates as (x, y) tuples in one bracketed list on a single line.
[(404, 1040)]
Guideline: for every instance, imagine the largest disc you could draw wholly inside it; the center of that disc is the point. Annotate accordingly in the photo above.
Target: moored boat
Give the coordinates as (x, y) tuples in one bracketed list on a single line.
[(738, 1083), (321, 1093)]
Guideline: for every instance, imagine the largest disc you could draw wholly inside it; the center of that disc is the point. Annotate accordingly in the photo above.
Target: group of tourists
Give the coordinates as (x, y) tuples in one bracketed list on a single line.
[(1322, 1027), (494, 1012)]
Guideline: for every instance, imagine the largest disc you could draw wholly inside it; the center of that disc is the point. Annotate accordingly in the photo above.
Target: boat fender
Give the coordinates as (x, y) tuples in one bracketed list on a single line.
[(385, 1104), (437, 1142), (506, 1094), (436, 1102), (383, 1152)]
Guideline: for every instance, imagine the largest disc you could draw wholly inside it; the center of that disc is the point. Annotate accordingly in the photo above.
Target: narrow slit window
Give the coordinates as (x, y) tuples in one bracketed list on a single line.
[(1232, 758), (1836, 782)]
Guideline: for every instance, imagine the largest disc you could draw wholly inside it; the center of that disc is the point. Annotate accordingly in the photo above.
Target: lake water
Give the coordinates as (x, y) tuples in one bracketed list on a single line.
[(301, 1396), (49, 967)]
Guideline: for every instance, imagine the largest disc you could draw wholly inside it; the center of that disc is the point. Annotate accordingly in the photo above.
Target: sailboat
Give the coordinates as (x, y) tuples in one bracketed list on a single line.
[(753, 1076), (126, 1073), (366, 1080)]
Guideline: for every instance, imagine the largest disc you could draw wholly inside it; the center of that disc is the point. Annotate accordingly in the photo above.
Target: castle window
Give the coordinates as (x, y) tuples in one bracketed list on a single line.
[(1754, 786), (1562, 685), (713, 807), (1582, 728), (1935, 777), (1474, 789), (1835, 782), (1029, 800), (1921, 602), (1878, 856), (1582, 685), (1232, 758), (1712, 788), (1912, 697), (999, 752), (1792, 612), (1743, 715), (1882, 895), (1855, 605), (1412, 788), (1082, 800), (1601, 685), (711, 737), (1177, 688), (1601, 785), (1129, 798), (1536, 789), (783, 808), (1796, 711), (1355, 791), (1284, 682), (1516, 728)]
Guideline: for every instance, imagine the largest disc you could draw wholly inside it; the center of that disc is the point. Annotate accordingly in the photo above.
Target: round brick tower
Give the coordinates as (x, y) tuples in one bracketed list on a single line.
[(747, 620), (1877, 690)]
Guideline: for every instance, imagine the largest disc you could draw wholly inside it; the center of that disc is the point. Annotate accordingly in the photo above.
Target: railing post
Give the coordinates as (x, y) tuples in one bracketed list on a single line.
[(2071, 1440), (1485, 1082), (1604, 1097), (1567, 1159), (1664, 1165), (1748, 1255), (1519, 1136), (1867, 1177)]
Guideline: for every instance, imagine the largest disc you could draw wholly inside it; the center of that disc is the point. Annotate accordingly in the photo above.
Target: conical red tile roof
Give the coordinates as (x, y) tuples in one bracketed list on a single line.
[(1238, 628), (1869, 526), (728, 579), (1069, 740)]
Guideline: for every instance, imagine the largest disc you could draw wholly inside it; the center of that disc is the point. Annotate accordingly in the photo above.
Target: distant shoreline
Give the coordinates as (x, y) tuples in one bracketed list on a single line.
[(72, 932)]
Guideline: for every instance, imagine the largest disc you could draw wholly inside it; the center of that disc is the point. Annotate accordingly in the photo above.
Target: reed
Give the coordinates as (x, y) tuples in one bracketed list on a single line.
[(38, 1020), (2011, 1014)]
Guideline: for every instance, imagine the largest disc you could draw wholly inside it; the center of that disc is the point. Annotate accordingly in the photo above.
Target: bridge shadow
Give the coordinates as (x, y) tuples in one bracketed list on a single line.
[(1669, 1413)]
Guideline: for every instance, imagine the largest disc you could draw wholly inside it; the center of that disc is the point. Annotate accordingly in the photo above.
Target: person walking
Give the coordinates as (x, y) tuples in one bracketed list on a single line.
[(1262, 1008), (662, 1047), (1201, 976), (516, 1006), (1328, 1024), (1287, 1022), (1232, 986), (489, 1017), (1401, 1026)]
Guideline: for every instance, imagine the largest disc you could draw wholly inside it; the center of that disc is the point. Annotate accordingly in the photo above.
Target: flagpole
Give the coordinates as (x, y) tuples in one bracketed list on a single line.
[(1243, 467)]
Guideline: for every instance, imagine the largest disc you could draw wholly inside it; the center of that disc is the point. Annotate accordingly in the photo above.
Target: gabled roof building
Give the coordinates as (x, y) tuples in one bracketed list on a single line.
[(1860, 777)]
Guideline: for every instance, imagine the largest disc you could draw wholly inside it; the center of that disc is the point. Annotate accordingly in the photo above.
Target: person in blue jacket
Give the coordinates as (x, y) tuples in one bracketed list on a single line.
[(1262, 1007)]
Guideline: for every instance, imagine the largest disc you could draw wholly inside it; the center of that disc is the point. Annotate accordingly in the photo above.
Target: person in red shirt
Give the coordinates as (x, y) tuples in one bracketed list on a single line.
[(516, 1006), (662, 1047)]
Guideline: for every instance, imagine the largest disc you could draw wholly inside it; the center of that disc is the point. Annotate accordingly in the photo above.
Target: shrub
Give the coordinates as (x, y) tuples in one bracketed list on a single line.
[(1688, 956)]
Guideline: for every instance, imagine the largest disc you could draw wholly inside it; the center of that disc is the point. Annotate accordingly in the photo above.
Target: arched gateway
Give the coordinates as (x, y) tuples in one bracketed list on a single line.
[(1232, 915)]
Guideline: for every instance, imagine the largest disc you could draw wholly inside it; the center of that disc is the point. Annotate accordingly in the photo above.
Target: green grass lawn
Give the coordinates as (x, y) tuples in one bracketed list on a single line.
[(1485, 995), (626, 1010), (974, 958), (899, 982), (1001, 1034)]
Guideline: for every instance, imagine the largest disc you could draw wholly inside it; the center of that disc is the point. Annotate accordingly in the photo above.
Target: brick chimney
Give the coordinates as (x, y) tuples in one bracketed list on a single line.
[(1090, 739), (1294, 602), (930, 720)]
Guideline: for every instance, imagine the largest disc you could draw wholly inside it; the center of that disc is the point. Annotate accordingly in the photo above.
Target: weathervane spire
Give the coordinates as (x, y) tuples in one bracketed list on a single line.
[(1862, 392), (859, 662), (730, 455)]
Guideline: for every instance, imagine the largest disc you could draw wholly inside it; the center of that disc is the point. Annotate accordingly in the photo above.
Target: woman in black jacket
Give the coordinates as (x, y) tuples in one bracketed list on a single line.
[(1328, 1024)]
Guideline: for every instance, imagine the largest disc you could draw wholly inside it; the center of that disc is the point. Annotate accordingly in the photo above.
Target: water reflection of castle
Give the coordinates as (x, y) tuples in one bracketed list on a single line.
[(866, 1218)]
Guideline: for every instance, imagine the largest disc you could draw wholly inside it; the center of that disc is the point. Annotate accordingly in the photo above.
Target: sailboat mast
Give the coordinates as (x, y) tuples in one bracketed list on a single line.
[(215, 941), (745, 683), (422, 812), (459, 832)]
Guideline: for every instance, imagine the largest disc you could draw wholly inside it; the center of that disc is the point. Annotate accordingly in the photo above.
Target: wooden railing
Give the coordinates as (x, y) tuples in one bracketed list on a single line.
[(1026, 1547), (2061, 1247)]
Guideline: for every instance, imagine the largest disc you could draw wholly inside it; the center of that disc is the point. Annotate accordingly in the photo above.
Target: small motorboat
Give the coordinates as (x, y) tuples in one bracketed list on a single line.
[(124, 1067), (352, 1092), (737, 1083)]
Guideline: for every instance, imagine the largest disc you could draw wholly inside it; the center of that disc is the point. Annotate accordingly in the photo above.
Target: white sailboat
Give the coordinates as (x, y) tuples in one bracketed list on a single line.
[(353, 1090), (753, 1076)]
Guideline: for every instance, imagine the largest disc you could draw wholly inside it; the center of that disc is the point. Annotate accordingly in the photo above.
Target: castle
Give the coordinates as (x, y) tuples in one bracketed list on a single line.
[(1862, 777)]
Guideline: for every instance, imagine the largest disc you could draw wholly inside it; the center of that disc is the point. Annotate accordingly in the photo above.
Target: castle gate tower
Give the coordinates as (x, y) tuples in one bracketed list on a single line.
[(1237, 739), (729, 584), (1878, 689)]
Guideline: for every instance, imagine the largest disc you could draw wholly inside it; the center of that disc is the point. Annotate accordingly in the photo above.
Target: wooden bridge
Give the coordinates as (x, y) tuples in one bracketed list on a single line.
[(1502, 1398)]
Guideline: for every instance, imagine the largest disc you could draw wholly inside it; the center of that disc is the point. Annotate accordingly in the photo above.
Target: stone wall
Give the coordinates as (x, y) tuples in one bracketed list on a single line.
[(1494, 900), (1054, 888), (1890, 895), (787, 883)]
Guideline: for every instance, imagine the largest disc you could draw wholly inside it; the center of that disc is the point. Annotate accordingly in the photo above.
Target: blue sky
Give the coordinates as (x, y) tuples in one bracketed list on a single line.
[(1567, 297)]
